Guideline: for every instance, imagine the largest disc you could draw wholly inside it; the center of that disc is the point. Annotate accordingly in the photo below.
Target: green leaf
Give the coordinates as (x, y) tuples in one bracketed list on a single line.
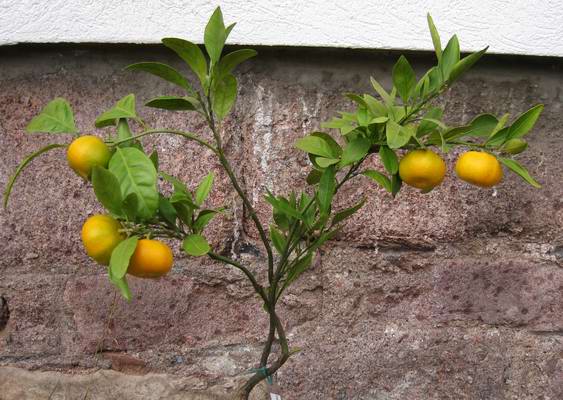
[(121, 285), (435, 37), (124, 108), (178, 185), (354, 151), (325, 162), (514, 146), (316, 145), (378, 177), (130, 206), (379, 120), (203, 189), (387, 98), (498, 138), (163, 71), (397, 135), (375, 107), (278, 239), (56, 117), (106, 188), (215, 35), (191, 54), (229, 28), (389, 159), (231, 60), (342, 215), (357, 99), (525, 122), (336, 149), (298, 268), (467, 62), (136, 174), (25, 162), (173, 103), (196, 245), (396, 184), (124, 132), (224, 95), (450, 57), (120, 256), (167, 211), (281, 205), (520, 170), (404, 78), (203, 219), (154, 159), (327, 186), (428, 124), (314, 177)]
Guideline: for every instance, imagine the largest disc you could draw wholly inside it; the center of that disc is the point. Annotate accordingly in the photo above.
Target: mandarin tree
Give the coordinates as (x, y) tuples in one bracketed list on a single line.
[(401, 125)]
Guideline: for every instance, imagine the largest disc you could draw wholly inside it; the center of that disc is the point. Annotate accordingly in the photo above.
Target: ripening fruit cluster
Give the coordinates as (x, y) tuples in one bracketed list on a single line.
[(424, 169), (102, 233)]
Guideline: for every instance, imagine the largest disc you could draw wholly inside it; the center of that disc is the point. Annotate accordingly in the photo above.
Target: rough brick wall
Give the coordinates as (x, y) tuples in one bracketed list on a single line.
[(454, 294)]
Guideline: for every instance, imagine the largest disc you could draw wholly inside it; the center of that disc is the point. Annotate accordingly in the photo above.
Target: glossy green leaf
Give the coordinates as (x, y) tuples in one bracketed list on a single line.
[(376, 107), (215, 35), (342, 215), (119, 261), (229, 28), (136, 174), (325, 162), (173, 103), (231, 60), (389, 159), (224, 95), (514, 146), (25, 162), (203, 189), (354, 151), (428, 123), (278, 239), (281, 205), (196, 245), (316, 145), (124, 108), (106, 188), (154, 158), (191, 54), (314, 177), (520, 170), (378, 177), (498, 138), (167, 211), (404, 78), (435, 37), (525, 122), (450, 57), (463, 65), (396, 184), (203, 219), (121, 285), (325, 193), (130, 206), (298, 267), (56, 117), (397, 135), (387, 98), (163, 71)]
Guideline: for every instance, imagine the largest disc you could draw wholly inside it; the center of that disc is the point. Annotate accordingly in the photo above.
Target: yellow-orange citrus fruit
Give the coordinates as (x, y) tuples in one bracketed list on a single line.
[(422, 169), (85, 152), (479, 168), (100, 235), (151, 259)]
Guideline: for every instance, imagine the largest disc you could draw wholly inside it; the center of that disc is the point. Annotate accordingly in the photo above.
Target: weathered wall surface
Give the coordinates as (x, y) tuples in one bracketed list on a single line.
[(451, 295)]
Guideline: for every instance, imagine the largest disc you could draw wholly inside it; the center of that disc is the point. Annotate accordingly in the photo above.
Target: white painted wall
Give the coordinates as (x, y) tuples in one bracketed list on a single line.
[(508, 26)]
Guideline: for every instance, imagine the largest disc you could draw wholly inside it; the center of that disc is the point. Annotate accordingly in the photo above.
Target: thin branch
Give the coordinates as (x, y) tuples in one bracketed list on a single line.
[(187, 135)]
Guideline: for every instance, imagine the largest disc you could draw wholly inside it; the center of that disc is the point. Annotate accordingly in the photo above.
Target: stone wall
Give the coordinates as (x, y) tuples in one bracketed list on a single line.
[(454, 294)]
